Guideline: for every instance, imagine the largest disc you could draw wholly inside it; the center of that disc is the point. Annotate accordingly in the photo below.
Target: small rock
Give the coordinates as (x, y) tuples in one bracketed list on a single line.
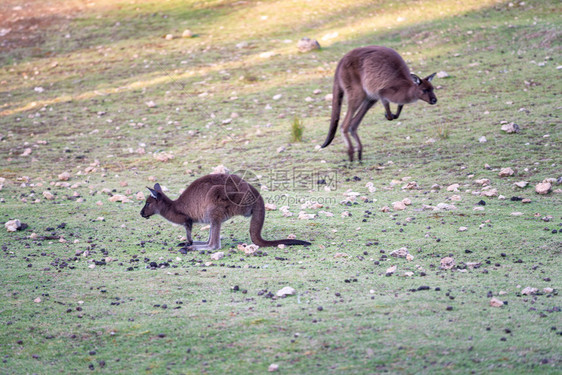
[(463, 229), (217, 255), (409, 258), (482, 139), (543, 188), (13, 225), (187, 34), (270, 207), (37, 300), (511, 128), (447, 263), (385, 209), (304, 216), (273, 367), (453, 187), (442, 74), (48, 195), (489, 193), (390, 270), (521, 184), (220, 169), (400, 253), (286, 291), (525, 200), (548, 290), (482, 181), (64, 176), (169, 37), (119, 198), (277, 97), (307, 45), (411, 185), (506, 172), (150, 104), (529, 290), (446, 207), (251, 249), (494, 302), (341, 255), (399, 206)]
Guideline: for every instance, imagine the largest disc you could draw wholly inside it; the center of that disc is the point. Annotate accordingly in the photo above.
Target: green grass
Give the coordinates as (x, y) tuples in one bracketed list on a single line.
[(99, 66)]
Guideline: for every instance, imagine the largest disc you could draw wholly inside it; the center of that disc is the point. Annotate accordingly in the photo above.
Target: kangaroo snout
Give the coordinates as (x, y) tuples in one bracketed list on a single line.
[(433, 101)]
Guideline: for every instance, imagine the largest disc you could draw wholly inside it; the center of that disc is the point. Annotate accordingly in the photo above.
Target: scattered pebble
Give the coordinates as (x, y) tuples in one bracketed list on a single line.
[(447, 263), (286, 291), (307, 45)]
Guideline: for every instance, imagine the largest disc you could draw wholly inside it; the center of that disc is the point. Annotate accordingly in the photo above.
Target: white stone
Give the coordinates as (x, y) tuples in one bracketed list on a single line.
[(399, 206), (187, 34), (286, 291), (400, 253), (529, 290), (506, 172), (13, 225), (543, 188), (217, 255), (307, 45)]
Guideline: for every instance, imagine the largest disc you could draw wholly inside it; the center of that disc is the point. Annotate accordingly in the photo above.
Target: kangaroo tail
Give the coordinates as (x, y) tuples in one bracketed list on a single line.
[(337, 97), (256, 225)]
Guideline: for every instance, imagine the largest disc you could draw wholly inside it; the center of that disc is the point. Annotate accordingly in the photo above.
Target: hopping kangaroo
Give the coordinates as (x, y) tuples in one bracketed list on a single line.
[(369, 74), (213, 199)]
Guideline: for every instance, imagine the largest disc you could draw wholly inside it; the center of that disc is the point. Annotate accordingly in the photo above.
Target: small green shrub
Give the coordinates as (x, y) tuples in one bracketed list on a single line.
[(443, 131), (297, 128)]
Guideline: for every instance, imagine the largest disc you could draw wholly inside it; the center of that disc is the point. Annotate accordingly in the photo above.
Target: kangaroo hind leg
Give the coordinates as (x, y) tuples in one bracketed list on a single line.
[(354, 101), (365, 106)]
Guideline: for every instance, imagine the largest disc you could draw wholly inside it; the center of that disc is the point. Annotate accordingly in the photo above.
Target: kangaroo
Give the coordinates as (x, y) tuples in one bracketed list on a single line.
[(369, 74), (213, 199)]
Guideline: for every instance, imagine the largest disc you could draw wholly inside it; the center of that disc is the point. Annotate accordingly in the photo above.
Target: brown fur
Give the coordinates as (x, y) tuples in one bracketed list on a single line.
[(369, 74), (213, 199)]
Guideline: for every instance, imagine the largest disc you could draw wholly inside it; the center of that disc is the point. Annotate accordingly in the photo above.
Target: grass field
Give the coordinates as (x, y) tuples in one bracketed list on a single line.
[(97, 90)]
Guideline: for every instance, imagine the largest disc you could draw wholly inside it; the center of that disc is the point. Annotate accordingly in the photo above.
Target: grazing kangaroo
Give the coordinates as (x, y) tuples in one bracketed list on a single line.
[(213, 199), (369, 74)]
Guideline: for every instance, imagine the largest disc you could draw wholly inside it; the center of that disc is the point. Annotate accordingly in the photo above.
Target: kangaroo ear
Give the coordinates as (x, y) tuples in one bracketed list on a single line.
[(154, 194), (430, 77), (157, 187), (416, 79)]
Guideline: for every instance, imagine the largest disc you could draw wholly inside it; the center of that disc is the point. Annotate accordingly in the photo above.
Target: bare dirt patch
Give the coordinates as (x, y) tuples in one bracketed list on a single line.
[(24, 24)]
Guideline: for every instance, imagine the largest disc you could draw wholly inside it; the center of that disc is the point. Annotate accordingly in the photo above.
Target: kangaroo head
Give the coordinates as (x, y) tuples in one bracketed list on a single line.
[(425, 88), (153, 203)]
